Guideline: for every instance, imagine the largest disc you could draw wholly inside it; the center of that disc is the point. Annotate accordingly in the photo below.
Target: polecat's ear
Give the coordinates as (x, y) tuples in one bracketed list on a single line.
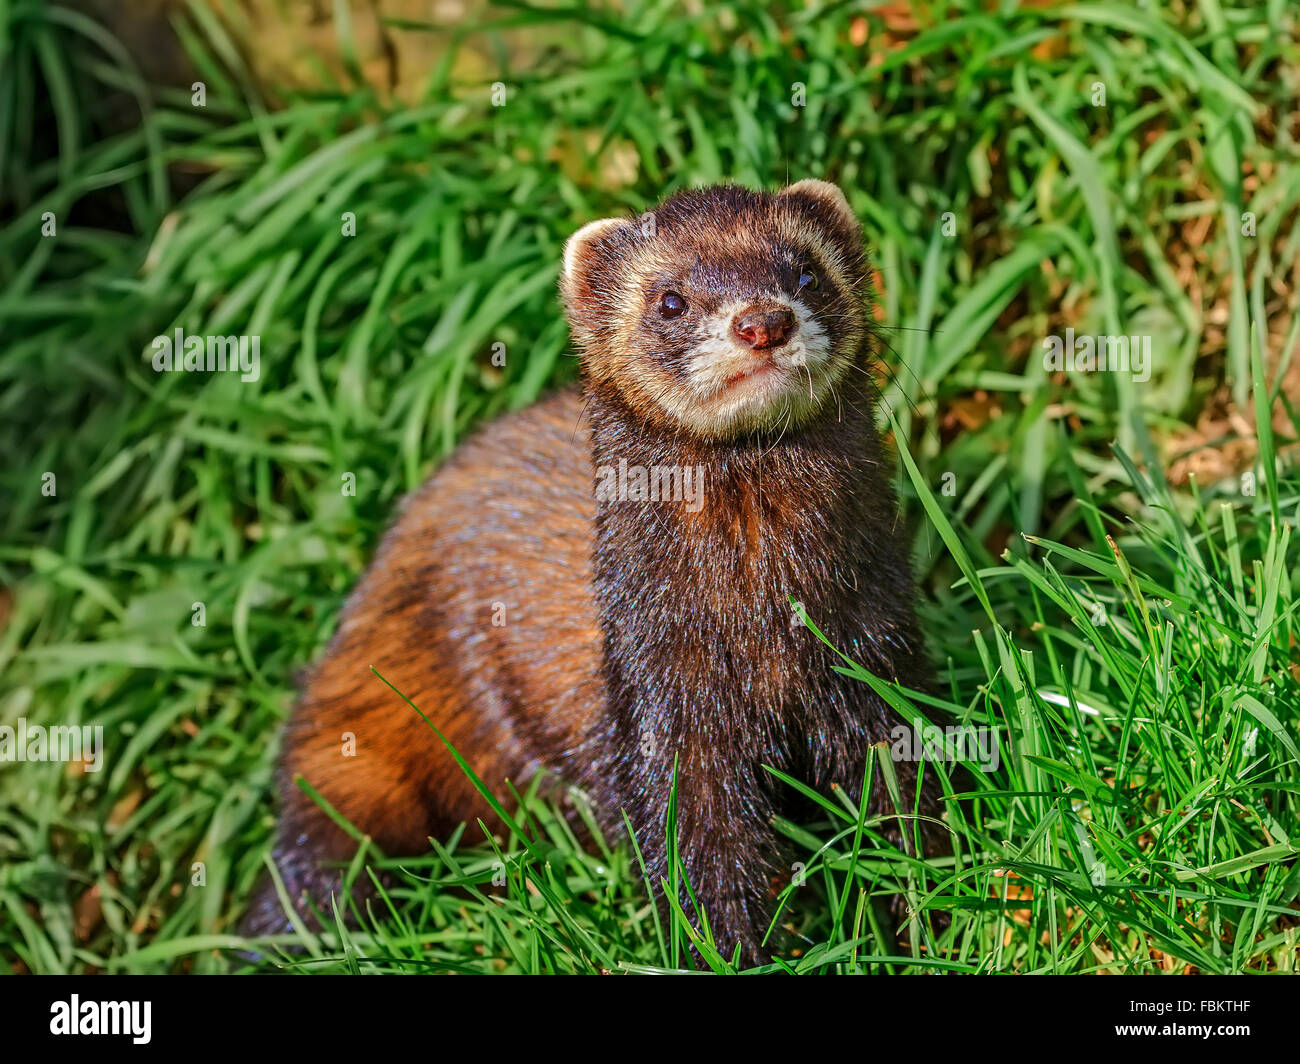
[(823, 195), (589, 259), (578, 247)]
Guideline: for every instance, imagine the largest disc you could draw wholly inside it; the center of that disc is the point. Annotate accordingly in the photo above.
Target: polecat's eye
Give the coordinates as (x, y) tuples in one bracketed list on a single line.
[(672, 305), (807, 279)]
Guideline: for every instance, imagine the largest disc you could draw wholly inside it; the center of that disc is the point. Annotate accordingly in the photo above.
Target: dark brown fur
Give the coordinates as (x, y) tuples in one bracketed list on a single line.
[(637, 636)]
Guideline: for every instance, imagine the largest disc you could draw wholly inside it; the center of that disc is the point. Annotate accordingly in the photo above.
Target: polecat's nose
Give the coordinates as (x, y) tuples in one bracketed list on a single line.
[(763, 327)]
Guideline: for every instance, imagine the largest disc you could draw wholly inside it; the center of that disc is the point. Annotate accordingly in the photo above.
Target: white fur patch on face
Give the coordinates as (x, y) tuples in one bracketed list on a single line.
[(731, 388)]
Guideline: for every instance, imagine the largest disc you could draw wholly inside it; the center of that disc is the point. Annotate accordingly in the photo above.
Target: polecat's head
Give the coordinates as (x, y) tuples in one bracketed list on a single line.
[(722, 311)]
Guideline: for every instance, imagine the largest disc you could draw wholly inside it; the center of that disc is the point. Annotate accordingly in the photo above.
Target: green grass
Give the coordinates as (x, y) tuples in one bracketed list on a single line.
[(1133, 642)]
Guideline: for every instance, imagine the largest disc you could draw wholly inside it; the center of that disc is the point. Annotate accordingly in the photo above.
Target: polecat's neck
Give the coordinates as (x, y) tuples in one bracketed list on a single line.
[(718, 538), (658, 478)]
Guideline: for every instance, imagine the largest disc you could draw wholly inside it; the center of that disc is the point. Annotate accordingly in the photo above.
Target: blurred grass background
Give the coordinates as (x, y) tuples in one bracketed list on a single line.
[(1145, 686)]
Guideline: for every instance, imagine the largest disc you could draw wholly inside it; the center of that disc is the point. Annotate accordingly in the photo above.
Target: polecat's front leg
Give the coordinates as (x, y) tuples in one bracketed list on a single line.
[(726, 842)]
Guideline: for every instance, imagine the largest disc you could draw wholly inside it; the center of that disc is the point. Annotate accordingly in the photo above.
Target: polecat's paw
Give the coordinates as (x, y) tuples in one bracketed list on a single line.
[(265, 914), (306, 885)]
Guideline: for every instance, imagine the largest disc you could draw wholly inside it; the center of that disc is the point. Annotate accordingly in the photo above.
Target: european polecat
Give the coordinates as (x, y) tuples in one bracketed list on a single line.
[(602, 585)]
